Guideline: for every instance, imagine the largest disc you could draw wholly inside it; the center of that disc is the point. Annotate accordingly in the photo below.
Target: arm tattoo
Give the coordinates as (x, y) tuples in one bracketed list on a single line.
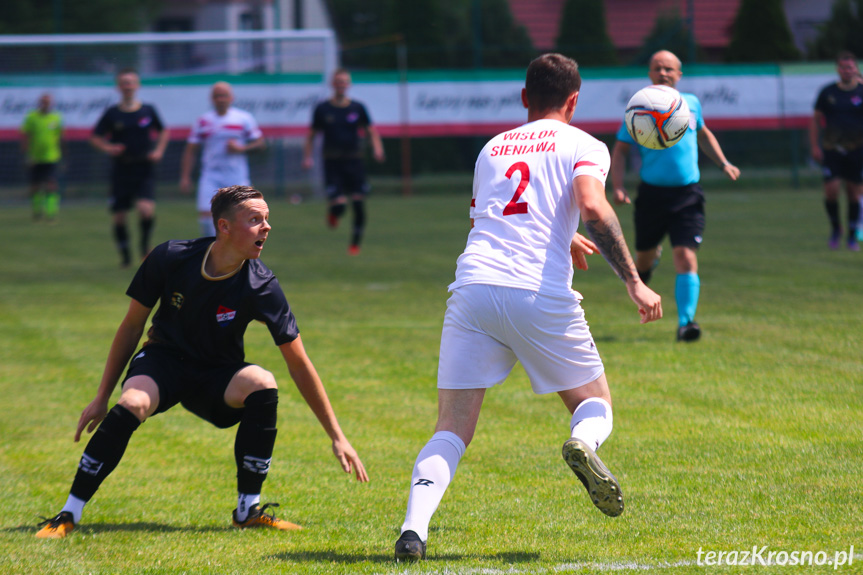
[(608, 237)]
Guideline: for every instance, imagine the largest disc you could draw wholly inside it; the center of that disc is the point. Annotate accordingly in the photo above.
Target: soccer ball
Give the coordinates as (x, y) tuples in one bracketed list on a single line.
[(657, 117)]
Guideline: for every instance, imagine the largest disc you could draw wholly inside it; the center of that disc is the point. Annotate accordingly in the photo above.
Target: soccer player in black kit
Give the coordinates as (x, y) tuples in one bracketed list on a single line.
[(838, 119), (124, 132), (208, 292), (341, 121)]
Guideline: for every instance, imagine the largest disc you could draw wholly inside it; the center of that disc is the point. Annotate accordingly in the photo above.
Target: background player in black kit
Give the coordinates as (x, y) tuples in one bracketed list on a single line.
[(124, 132), (209, 292), (839, 111), (341, 121)]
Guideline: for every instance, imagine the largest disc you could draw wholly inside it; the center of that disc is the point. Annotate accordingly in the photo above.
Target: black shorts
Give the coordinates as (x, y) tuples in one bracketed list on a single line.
[(675, 211), (131, 181), (847, 166), (199, 387), (345, 176), (43, 173)]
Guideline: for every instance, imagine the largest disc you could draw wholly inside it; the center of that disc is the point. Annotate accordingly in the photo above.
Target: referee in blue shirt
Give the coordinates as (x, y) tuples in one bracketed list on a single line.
[(670, 200)]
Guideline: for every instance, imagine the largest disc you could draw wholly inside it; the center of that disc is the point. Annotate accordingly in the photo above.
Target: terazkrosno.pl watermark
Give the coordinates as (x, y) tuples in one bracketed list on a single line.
[(765, 556)]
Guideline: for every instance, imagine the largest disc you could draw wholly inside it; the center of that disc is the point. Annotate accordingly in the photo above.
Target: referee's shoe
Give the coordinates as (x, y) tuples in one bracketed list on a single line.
[(689, 332)]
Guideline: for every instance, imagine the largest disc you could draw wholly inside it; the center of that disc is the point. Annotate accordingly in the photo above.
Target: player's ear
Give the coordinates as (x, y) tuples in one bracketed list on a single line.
[(569, 107), (524, 98), (223, 226)]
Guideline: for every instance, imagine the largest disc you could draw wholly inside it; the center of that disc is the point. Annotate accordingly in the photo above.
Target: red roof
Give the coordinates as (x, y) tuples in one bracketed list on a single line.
[(630, 21), (541, 18)]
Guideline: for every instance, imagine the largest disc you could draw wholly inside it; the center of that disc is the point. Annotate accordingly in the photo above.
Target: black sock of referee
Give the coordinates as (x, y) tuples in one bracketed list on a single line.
[(121, 238), (833, 214), (146, 230), (104, 451), (853, 218), (253, 447), (359, 209)]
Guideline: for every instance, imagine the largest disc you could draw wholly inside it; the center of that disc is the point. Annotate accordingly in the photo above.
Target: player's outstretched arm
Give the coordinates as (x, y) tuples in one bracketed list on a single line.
[(604, 229), (309, 384), (125, 341), (708, 143)]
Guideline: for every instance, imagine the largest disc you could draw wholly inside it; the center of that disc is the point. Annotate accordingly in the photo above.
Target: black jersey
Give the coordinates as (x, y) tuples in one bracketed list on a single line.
[(843, 112), (132, 129), (203, 318), (341, 128)]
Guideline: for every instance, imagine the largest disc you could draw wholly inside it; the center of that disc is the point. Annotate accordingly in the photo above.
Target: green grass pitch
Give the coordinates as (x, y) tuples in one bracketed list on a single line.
[(750, 437)]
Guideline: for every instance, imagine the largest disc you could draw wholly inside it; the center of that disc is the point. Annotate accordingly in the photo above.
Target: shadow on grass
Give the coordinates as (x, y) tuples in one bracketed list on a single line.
[(93, 528), (343, 558)]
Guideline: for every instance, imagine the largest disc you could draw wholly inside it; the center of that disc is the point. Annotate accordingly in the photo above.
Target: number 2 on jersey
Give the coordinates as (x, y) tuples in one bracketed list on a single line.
[(514, 206)]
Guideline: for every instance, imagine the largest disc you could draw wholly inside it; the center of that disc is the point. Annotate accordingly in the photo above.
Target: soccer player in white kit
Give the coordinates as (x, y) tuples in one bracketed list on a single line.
[(226, 134), (512, 298)]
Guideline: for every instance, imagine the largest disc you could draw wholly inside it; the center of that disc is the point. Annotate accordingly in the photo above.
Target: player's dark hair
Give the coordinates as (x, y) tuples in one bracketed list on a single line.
[(227, 200), (845, 55), (551, 79)]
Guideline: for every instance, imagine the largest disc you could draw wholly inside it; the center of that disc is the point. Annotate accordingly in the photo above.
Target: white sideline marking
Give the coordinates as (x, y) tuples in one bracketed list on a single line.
[(562, 568)]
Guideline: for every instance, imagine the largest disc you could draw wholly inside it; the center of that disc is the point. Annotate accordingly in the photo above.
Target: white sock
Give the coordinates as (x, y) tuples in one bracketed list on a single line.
[(434, 469), (246, 501), (592, 422), (208, 228), (75, 506)]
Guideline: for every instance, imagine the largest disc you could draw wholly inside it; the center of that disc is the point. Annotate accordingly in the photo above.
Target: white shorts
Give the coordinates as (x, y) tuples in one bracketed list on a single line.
[(210, 183), (488, 328)]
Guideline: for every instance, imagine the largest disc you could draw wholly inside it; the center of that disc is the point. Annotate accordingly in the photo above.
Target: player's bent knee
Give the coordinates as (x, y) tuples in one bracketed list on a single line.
[(248, 380), (140, 397)]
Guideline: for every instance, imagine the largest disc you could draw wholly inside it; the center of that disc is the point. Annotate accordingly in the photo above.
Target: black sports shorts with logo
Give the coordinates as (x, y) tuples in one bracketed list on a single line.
[(131, 181), (677, 211), (845, 165), (344, 176), (199, 387)]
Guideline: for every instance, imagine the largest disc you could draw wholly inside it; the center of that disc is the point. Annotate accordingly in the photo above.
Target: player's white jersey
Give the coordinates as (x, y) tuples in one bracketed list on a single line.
[(213, 132), (523, 207)]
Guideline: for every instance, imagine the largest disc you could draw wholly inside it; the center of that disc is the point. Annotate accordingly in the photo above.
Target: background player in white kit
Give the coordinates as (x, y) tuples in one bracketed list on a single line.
[(512, 298), (226, 134)]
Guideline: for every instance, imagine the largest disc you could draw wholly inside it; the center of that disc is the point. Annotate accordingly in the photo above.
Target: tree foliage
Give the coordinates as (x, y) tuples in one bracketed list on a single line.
[(670, 32), (844, 31), (75, 16), (761, 34), (455, 34), (583, 34)]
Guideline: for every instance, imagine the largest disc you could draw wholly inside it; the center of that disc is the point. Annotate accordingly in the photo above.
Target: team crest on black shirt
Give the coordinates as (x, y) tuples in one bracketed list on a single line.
[(144, 122), (225, 315), (177, 300)]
